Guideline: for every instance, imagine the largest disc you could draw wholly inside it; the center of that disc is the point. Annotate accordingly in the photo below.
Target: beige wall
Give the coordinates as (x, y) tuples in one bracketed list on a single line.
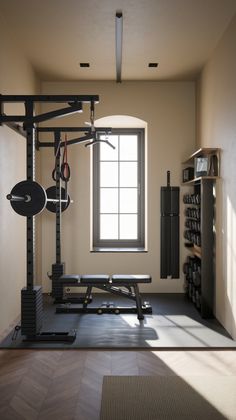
[(217, 128), (16, 77), (169, 110)]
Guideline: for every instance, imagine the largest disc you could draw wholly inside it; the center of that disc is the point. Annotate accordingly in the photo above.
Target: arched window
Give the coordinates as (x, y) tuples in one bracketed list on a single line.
[(119, 186)]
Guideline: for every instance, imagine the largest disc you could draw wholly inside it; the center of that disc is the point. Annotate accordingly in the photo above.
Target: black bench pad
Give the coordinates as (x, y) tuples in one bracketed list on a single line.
[(86, 279), (94, 279), (101, 279), (70, 278), (131, 278)]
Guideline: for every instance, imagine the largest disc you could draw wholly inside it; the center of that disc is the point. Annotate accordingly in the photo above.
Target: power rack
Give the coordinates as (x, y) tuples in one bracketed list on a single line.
[(31, 295)]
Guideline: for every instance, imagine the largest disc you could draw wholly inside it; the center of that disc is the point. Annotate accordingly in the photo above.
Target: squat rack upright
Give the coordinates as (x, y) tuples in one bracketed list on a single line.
[(31, 295)]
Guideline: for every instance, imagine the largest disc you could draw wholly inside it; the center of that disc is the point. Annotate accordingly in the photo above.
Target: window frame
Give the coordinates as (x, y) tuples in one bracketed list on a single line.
[(121, 244)]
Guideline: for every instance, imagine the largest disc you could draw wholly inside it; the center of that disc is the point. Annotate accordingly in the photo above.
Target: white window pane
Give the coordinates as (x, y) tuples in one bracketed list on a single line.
[(109, 174), (128, 226), (109, 226), (128, 174), (106, 152), (109, 200), (128, 147), (128, 200)]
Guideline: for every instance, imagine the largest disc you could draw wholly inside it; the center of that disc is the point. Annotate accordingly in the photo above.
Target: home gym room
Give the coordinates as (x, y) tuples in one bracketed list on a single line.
[(117, 149)]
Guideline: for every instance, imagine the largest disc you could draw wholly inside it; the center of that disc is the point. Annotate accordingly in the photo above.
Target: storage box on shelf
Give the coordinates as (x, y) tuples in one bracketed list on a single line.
[(199, 229), (204, 162)]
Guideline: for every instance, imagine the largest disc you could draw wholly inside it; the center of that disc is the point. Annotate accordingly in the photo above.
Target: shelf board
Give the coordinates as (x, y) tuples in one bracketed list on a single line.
[(199, 179), (195, 250), (193, 218), (203, 151)]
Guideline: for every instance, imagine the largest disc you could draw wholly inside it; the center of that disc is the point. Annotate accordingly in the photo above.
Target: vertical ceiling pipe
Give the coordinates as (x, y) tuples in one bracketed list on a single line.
[(119, 36)]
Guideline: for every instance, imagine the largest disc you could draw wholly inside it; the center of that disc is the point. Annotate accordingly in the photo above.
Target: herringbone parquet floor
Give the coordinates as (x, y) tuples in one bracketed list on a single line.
[(67, 384)]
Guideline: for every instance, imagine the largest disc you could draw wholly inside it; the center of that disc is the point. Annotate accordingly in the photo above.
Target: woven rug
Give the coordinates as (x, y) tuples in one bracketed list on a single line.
[(168, 397)]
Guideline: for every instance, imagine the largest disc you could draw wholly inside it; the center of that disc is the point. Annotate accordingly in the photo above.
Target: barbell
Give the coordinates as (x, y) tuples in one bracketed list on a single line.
[(29, 198)]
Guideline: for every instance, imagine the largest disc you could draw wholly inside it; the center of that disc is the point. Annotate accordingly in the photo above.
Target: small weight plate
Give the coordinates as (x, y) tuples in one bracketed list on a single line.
[(51, 193)]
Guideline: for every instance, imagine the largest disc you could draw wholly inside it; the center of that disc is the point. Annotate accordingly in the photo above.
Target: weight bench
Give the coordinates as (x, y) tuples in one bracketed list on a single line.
[(125, 285)]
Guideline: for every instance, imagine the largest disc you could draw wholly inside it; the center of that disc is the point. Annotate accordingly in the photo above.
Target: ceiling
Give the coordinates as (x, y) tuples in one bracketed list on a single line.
[(56, 35)]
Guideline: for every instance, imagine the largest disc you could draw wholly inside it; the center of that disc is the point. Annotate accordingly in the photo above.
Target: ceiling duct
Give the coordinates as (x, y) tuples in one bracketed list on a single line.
[(119, 36)]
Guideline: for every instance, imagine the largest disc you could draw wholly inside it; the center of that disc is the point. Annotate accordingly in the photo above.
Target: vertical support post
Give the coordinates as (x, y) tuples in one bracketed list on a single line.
[(58, 268), (1, 109), (57, 152), (30, 174), (207, 249), (31, 296)]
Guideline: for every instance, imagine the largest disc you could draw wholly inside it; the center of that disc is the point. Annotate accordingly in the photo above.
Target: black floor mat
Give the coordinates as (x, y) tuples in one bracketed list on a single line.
[(174, 324)]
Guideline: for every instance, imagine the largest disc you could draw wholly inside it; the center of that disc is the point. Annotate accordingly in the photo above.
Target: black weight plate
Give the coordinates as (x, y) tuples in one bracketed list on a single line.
[(51, 193), (37, 198)]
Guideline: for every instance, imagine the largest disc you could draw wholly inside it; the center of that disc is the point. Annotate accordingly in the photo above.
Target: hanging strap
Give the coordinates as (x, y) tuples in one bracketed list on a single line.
[(65, 168), (55, 166)]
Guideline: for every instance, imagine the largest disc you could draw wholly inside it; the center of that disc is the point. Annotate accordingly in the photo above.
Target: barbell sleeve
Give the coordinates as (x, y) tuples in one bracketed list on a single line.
[(55, 200), (12, 197)]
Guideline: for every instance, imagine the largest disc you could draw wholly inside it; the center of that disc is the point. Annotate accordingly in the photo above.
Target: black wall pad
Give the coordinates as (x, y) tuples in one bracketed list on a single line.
[(169, 232), (169, 201), (174, 240)]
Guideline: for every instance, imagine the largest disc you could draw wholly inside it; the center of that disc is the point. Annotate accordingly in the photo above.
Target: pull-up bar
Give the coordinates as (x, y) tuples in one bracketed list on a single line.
[(88, 136)]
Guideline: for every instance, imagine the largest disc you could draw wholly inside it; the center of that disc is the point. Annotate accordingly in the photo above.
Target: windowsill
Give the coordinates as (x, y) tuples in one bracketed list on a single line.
[(103, 249)]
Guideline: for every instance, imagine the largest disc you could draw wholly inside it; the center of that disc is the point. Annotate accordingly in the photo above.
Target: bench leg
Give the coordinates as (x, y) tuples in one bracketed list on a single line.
[(87, 296), (138, 302)]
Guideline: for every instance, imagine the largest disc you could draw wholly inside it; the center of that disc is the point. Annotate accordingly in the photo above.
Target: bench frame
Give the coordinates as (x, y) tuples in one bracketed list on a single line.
[(124, 288)]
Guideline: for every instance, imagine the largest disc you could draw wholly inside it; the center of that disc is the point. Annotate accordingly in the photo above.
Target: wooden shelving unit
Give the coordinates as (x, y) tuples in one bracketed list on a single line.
[(194, 180), (205, 151), (199, 236)]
